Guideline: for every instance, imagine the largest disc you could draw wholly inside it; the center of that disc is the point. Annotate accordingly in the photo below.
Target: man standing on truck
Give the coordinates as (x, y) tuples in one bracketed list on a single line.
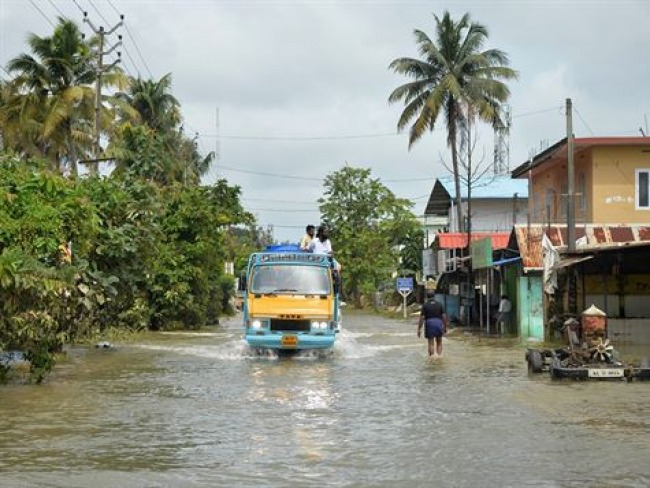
[(434, 320)]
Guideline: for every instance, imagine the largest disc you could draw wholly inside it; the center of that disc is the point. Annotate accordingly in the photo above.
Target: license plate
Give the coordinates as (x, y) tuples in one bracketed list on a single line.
[(605, 373), (289, 341)]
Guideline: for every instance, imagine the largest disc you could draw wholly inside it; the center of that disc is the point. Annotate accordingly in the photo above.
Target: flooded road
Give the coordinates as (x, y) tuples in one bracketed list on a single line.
[(194, 409)]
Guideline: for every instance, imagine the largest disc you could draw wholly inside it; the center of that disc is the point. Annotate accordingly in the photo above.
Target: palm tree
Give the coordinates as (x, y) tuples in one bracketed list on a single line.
[(154, 104), (51, 101), (50, 105), (150, 103), (454, 77)]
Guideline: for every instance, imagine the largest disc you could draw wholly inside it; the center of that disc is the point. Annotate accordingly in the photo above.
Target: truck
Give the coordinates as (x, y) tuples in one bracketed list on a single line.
[(291, 300)]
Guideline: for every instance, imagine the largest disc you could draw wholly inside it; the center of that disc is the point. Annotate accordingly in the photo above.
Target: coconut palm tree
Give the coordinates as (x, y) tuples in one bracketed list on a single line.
[(51, 96), (51, 104), (455, 77), (150, 103), (155, 105)]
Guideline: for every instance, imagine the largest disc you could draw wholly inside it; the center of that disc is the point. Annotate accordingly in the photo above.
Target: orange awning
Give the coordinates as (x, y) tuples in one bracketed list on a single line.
[(458, 240)]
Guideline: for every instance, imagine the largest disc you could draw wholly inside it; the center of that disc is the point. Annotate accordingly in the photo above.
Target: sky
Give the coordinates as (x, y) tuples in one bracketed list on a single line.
[(287, 92)]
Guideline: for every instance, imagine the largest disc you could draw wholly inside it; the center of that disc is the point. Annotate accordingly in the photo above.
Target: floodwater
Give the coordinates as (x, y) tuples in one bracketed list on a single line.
[(196, 409)]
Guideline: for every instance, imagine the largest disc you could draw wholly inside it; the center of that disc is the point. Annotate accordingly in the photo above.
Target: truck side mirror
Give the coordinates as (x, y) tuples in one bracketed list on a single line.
[(241, 285), (336, 278)]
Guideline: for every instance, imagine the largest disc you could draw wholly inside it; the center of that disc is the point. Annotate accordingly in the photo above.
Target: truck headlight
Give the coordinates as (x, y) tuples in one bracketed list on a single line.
[(256, 324)]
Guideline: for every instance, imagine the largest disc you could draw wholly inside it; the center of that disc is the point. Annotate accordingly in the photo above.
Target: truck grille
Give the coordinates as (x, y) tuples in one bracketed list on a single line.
[(280, 325)]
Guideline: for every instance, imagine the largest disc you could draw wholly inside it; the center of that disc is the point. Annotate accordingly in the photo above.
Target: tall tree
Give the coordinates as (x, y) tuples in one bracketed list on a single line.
[(456, 77), (51, 104), (156, 107), (150, 104), (368, 225)]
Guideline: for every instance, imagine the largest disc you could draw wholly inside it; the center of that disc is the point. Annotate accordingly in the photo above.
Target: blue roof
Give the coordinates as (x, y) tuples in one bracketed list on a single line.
[(488, 187)]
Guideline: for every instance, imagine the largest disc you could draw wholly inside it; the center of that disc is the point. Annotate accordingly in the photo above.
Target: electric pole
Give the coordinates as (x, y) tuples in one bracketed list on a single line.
[(100, 69), (570, 216)]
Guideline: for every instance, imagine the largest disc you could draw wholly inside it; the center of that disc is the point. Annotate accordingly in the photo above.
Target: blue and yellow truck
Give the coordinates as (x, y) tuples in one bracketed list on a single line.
[(291, 300)]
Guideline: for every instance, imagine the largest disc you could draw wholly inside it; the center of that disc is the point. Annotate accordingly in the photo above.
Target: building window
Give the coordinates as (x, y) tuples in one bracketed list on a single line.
[(582, 189), (642, 189)]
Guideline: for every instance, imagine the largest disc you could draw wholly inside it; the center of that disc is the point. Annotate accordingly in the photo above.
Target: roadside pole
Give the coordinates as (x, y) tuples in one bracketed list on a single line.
[(404, 288)]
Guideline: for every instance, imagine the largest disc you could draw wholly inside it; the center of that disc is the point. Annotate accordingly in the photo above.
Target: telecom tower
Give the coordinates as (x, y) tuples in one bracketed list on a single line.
[(502, 144)]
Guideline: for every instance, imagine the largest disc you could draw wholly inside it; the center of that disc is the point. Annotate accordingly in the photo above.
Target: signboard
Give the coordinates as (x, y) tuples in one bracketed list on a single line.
[(404, 284), (481, 252), (404, 287)]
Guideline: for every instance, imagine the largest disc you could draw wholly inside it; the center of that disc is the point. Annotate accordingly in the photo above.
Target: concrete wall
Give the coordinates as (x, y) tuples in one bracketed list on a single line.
[(549, 187), (614, 184), (624, 332), (617, 295), (496, 214)]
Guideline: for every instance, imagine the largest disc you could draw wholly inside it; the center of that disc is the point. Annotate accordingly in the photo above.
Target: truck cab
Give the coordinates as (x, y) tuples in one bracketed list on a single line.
[(291, 300)]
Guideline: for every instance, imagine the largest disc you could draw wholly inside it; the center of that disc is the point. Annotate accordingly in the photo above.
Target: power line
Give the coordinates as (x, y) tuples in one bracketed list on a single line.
[(537, 112), (347, 136), (274, 175), (101, 16), (269, 200), (281, 210), (303, 138), (583, 120), (42, 13), (79, 7), (133, 63), (135, 44), (113, 7), (306, 178), (57, 9)]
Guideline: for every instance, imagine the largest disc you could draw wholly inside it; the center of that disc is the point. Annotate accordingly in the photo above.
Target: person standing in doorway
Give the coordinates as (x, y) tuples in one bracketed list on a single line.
[(434, 321), (503, 314), (307, 238)]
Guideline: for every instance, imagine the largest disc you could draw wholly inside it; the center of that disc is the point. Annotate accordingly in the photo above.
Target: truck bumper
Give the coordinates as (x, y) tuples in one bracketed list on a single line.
[(290, 341)]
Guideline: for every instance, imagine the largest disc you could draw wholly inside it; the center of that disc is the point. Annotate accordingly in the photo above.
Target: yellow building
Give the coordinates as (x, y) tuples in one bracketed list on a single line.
[(608, 266), (611, 181)]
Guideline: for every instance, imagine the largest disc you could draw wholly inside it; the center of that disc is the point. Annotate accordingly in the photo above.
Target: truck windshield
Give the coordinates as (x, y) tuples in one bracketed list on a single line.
[(286, 278)]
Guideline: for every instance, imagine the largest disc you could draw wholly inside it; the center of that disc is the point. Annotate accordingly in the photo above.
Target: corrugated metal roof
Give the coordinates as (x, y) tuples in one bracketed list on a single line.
[(458, 240), (589, 237)]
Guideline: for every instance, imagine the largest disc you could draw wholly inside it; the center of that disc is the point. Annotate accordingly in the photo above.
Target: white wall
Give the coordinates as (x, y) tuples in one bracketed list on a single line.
[(496, 214)]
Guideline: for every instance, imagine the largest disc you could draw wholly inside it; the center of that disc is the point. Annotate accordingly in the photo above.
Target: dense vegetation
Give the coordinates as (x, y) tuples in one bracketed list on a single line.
[(142, 256), (138, 245)]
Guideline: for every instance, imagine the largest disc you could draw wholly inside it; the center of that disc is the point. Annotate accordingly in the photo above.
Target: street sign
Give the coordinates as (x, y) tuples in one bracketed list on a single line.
[(404, 287), (405, 284)]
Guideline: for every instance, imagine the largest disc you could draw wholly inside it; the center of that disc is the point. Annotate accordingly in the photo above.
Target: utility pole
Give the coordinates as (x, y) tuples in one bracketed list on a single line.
[(100, 69), (570, 215)]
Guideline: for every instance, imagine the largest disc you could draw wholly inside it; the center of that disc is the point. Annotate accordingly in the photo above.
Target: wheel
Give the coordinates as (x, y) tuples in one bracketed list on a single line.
[(535, 361)]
